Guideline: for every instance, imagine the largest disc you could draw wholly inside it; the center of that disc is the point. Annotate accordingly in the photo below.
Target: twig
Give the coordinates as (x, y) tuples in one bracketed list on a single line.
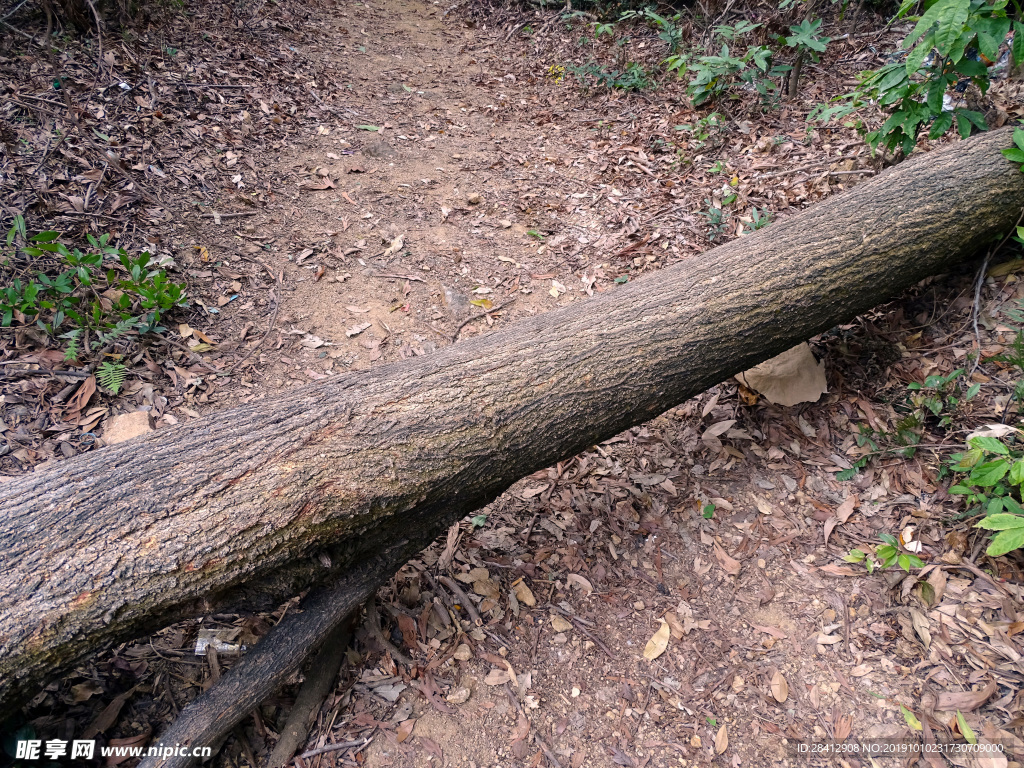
[(976, 309), (463, 599), (373, 623), (805, 166), (99, 39), (13, 10), (282, 651), (270, 325), (211, 85), (580, 626), (228, 215), (195, 358), (400, 277), (467, 321), (334, 748), (26, 35), (12, 375), (536, 734)]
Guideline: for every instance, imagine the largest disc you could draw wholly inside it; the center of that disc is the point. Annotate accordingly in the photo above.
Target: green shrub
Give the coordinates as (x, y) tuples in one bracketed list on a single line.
[(70, 297), (937, 61)]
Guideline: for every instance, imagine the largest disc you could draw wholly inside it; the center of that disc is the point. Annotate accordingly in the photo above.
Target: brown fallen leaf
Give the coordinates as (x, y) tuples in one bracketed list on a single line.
[(404, 730), (108, 716), (964, 701), (118, 756), (658, 642), (731, 565), (522, 729), (82, 395), (721, 740), (432, 747), (780, 688)]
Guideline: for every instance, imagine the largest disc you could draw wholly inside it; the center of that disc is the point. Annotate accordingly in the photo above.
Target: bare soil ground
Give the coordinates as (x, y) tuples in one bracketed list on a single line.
[(351, 183)]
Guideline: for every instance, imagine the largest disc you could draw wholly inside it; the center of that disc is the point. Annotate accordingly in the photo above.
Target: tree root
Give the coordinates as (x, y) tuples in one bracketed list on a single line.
[(323, 671), (212, 715)]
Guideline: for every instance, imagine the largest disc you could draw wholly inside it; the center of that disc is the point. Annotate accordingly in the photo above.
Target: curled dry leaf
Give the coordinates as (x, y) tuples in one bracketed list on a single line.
[(730, 564), (396, 245), (575, 580), (658, 642), (787, 379)]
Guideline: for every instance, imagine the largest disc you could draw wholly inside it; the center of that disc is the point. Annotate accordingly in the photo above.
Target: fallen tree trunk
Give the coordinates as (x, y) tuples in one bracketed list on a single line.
[(254, 504)]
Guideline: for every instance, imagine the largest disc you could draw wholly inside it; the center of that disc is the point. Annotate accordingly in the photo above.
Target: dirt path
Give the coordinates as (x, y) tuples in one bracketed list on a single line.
[(422, 216), (476, 188)]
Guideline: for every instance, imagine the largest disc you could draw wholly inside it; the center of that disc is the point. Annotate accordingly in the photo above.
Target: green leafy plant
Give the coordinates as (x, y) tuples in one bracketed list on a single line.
[(669, 31), (885, 555), (633, 78), (713, 76), (807, 43), (946, 50), (111, 375), (990, 475), (705, 129), (759, 219), (940, 395), (96, 295), (932, 403), (1016, 153), (718, 223)]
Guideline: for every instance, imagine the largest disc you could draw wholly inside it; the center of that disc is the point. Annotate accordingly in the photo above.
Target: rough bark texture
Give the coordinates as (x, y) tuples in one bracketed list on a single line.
[(235, 508)]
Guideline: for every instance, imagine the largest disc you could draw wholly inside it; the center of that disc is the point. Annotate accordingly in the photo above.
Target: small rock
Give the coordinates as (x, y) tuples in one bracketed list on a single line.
[(126, 426), (379, 150), (457, 303), (458, 696), (474, 198), (559, 624), (524, 595)]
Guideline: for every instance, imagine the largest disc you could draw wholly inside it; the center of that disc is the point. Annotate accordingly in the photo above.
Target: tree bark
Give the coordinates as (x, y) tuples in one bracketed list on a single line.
[(254, 504)]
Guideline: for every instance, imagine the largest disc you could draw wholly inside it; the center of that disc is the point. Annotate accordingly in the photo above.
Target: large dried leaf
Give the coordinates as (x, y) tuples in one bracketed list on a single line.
[(721, 740), (787, 379), (964, 701)]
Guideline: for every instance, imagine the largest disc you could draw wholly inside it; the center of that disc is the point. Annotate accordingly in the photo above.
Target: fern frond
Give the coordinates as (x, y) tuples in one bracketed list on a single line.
[(111, 375)]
